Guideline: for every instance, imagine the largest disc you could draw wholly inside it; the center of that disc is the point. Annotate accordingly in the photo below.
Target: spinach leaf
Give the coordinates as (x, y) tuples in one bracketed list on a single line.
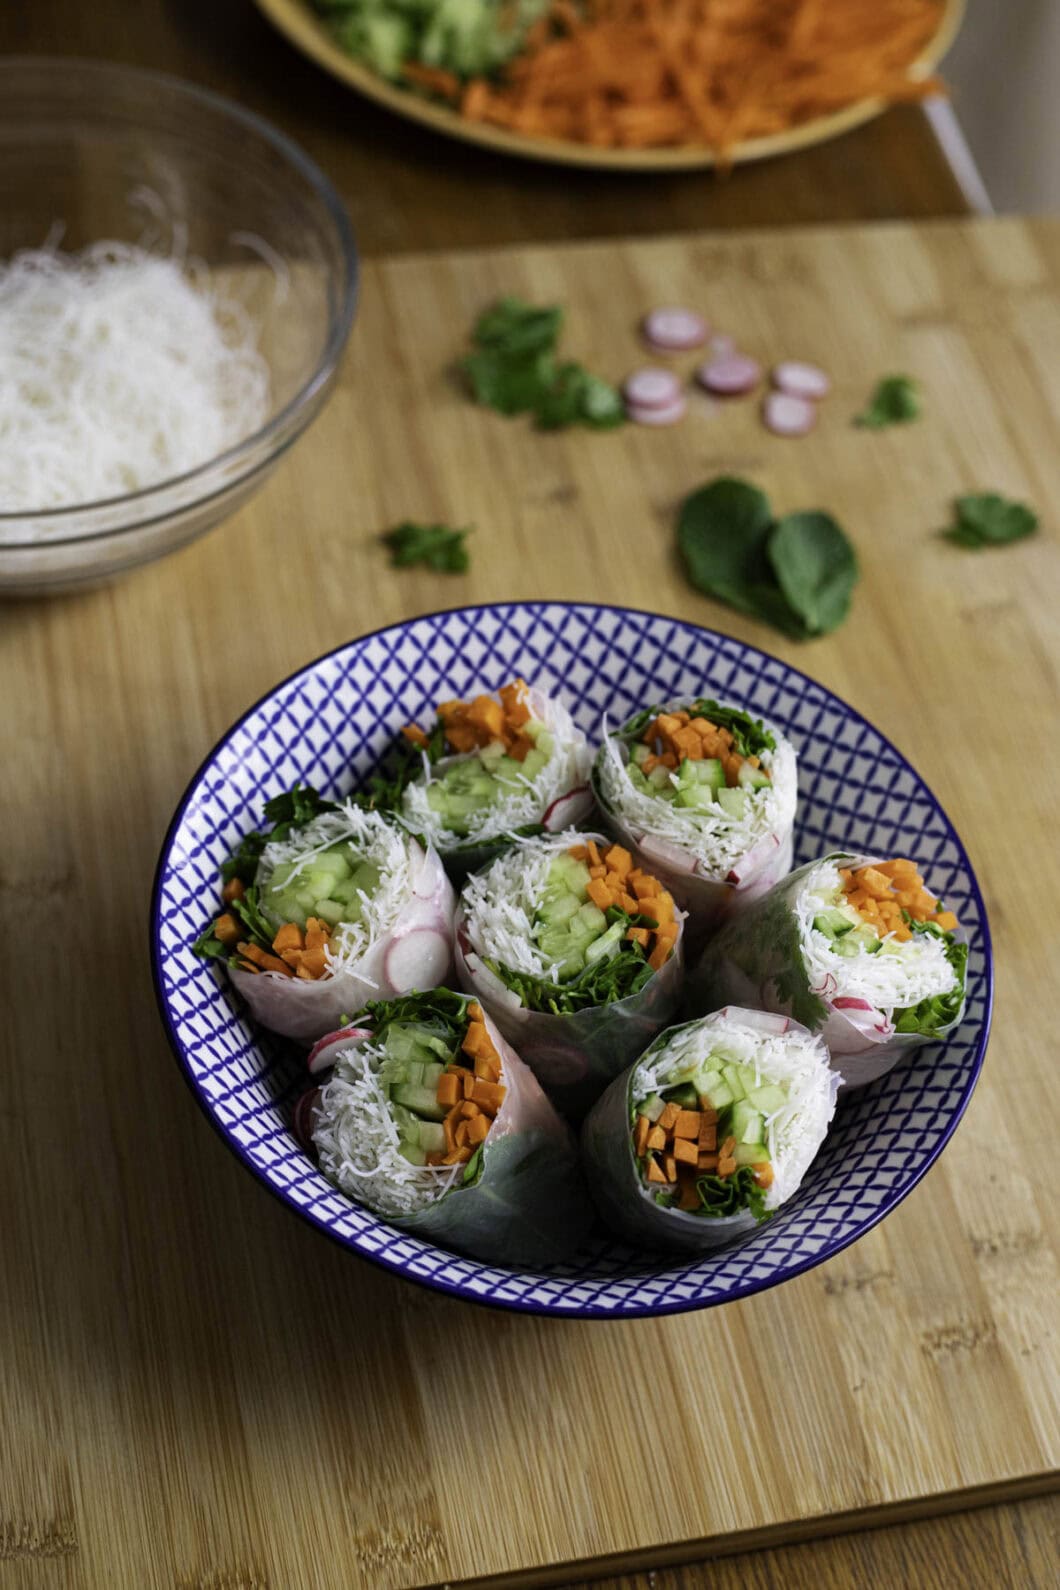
[(895, 401), (815, 567), (511, 384), (440, 548), (987, 519), (796, 574)]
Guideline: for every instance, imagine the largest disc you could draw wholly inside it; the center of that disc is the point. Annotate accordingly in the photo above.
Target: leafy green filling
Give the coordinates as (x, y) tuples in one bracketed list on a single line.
[(989, 520), (939, 1011), (602, 982), (895, 401), (796, 573), (750, 735), (514, 370), (435, 545)]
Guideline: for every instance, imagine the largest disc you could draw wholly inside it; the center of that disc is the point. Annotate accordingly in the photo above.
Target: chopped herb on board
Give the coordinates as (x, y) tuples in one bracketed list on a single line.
[(514, 370), (986, 519), (440, 548), (795, 573), (895, 401)]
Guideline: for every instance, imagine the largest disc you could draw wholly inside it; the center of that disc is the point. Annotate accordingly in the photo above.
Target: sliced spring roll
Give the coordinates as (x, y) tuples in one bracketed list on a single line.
[(431, 1120), (577, 956), (491, 768), (858, 949), (332, 907), (710, 1131), (704, 795)]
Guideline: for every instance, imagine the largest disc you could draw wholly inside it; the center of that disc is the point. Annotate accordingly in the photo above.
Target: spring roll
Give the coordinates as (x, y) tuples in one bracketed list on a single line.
[(333, 906), (431, 1120), (704, 796), (577, 956), (710, 1131), (857, 948), (488, 770)]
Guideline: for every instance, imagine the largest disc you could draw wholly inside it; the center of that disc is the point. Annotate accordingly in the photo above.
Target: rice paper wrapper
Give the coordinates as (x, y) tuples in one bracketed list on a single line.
[(530, 1205), (624, 1202), (417, 953), (707, 897), (756, 960), (575, 1057)]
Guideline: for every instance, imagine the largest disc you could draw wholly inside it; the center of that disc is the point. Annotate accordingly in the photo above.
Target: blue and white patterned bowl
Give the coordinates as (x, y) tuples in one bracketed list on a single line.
[(330, 723)]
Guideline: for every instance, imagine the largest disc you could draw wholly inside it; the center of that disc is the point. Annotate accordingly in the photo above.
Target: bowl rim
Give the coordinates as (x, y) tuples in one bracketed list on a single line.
[(338, 331), (587, 1309)]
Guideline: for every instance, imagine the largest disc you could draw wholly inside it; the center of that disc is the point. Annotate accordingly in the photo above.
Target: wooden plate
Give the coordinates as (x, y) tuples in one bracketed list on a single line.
[(303, 27)]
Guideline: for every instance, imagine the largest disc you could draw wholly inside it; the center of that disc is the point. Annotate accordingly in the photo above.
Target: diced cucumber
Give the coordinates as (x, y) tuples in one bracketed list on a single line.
[(747, 1123), (720, 1095), (733, 1077), (733, 801), (751, 1154), (833, 924), (419, 1099), (640, 752), (707, 1081), (751, 778), (591, 918), (607, 944), (659, 777), (432, 1070), (700, 797), (414, 1072), (710, 771), (683, 1094), (768, 1098), (414, 1155), (652, 1107), (432, 1137)]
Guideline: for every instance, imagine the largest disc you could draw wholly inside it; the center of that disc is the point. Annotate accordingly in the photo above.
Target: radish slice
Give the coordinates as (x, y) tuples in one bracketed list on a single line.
[(665, 854), (651, 388), (322, 1055), (847, 1002), (755, 859), (731, 375), (302, 1123), (664, 415), (758, 1020), (788, 416), (568, 810), (800, 380), (419, 959), (675, 330)]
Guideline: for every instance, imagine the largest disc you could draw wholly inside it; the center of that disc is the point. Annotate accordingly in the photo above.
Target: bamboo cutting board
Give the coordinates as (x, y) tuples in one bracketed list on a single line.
[(195, 1390)]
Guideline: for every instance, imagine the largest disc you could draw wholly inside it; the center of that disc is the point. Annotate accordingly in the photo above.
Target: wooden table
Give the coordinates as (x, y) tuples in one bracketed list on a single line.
[(196, 1391), (408, 189)]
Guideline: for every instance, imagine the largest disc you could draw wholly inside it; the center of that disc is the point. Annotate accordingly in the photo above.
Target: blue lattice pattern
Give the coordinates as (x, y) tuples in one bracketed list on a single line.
[(329, 725)]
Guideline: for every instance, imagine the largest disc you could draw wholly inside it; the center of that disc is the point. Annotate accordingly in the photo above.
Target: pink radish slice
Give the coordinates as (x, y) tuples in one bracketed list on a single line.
[(847, 1002), (651, 388), (419, 959), (663, 415), (731, 375), (323, 1053), (675, 330), (788, 416), (302, 1124), (800, 380), (568, 809), (667, 855), (753, 861), (758, 1020)]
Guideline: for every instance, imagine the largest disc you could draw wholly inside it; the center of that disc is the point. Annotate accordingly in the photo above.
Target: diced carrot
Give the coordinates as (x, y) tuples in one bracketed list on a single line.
[(233, 890), (763, 1175), (687, 744), (599, 893), (687, 1123), (728, 1148), (457, 1156), (486, 1068), (666, 933), (946, 921), (670, 1167), (898, 867), (290, 937), (614, 883), (628, 903), (685, 1152), (415, 734), (490, 1095), (267, 962), (468, 1085), (599, 871), (593, 853), (579, 852), (705, 1161), (669, 1115), (708, 1113), (655, 1172), (477, 1040), (688, 1199), (513, 699), (649, 764), (874, 883), (668, 759), (643, 886), (314, 963), (652, 906), (619, 860), (639, 936), (474, 1011), (487, 715), (478, 1128), (656, 1138), (228, 930), (708, 1136), (640, 1135), (460, 1135), (449, 1089), (317, 933), (659, 957), (726, 1167)]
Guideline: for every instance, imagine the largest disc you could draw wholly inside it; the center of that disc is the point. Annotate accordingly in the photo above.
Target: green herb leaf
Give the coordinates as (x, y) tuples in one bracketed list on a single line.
[(895, 401), (514, 327), (295, 808), (441, 1008), (243, 862), (939, 1011), (727, 1195), (750, 735), (601, 405), (436, 545), (796, 575), (209, 948), (513, 370), (510, 383), (815, 567), (602, 982), (987, 519)]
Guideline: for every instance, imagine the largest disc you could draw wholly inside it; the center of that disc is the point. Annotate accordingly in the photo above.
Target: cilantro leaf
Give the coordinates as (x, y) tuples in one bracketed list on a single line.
[(514, 327), (895, 401), (797, 574), (440, 548), (602, 982), (938, 1011), (987, 519), (513, 369)]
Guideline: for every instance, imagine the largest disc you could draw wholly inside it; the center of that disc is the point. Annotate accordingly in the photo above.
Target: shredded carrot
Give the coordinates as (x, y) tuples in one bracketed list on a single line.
[(658, 73)]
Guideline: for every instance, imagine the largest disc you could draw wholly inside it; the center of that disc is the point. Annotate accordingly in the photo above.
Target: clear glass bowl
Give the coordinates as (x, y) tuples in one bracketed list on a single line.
[(110, 152)]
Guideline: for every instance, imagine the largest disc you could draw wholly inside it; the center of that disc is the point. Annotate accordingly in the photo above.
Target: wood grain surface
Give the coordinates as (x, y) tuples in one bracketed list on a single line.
[(408, 188), (197, 1391)]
